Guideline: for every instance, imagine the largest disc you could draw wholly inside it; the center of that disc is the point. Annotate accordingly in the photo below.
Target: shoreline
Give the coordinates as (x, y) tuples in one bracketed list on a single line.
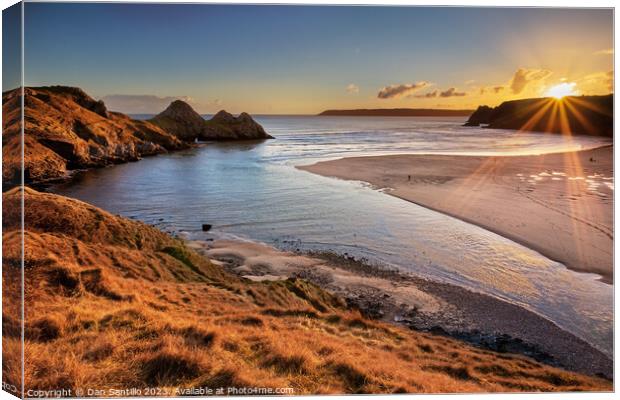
[(494, 192), (423, 305)]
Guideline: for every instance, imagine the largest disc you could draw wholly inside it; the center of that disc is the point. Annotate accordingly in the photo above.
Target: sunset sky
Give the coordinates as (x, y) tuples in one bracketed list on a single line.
[(304, 59)]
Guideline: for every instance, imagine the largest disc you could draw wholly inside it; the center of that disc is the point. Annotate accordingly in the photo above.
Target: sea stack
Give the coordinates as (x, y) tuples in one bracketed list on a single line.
[(225, 126), (180, 119), (185, 123)]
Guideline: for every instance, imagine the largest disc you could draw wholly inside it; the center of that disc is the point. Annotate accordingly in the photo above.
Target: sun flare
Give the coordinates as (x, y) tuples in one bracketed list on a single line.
[(561, 90)]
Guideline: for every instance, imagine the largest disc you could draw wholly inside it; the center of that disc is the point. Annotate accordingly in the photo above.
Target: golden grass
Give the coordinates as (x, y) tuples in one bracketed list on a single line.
[(113, 303)]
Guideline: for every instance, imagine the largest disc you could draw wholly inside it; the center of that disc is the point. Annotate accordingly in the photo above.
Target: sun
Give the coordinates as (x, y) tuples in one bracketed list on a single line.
[(561, 90)]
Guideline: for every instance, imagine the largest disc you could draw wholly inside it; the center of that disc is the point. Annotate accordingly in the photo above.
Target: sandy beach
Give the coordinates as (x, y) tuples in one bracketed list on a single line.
[(560, 204)]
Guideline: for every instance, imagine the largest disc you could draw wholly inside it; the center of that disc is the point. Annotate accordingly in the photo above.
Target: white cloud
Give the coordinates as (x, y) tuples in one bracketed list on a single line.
[(524, 77), (596, 83), (396, 91), (352, 88)]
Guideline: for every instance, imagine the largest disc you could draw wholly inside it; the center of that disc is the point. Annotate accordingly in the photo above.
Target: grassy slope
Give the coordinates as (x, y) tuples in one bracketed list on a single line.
[(114, 303)]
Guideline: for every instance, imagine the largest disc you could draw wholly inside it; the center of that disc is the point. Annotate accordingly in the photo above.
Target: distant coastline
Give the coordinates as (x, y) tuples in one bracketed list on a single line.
[(398, 112)]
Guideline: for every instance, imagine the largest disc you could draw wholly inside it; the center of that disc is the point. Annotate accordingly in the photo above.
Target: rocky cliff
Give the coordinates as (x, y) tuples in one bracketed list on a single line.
[(66, 129), (587, 115), (180, 119)]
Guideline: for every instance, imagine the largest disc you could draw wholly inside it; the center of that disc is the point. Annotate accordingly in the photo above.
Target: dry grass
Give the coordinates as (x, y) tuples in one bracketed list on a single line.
[(113, 303)]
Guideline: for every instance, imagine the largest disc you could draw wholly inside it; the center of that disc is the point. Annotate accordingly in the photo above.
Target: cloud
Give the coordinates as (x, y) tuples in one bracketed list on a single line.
[(525, 76), (604, 52), (596, 83), (495, 89), (428, 95), (141, 103), (452, 93), (352, 88), (396, 91), (470, 82)]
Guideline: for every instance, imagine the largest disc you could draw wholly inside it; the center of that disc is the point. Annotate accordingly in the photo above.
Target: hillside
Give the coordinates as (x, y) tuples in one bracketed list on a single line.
[(398, 112), (115, 303), (587, 115), (66, 129)]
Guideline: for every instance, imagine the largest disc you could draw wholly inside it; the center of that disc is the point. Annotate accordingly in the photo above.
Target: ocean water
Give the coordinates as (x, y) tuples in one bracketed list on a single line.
[(253, 191)]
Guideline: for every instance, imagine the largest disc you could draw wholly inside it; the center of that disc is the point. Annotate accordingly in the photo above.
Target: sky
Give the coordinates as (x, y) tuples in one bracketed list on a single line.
[(11, 47), (305, 59)]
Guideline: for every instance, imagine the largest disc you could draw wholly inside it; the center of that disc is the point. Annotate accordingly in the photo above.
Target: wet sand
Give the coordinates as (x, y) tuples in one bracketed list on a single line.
[(560, 205), (415, 302)]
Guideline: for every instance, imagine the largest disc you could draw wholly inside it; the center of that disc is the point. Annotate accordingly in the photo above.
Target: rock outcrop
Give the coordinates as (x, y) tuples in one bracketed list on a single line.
[(66, 129), (179, 118), (224, 126), (586, 115), (481, 116)]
